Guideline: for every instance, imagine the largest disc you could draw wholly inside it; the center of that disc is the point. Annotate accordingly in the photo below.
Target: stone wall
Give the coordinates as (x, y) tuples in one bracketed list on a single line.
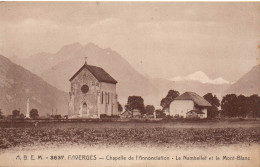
[(100, 99), (109, 104), (79, 99)]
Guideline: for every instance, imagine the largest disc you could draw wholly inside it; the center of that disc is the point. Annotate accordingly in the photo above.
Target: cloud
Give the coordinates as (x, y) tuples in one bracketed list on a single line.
[(201, 77)]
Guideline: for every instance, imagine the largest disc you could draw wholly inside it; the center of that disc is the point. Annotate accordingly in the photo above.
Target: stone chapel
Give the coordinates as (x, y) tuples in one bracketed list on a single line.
[(93, 92)]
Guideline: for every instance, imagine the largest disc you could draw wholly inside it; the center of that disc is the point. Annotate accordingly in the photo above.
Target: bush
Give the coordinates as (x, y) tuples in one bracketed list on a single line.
[(34, 114), (109, 116), (56, 116)]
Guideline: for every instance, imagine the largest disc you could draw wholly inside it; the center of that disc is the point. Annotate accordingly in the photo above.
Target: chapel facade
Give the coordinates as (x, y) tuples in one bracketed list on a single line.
[(93, 92)]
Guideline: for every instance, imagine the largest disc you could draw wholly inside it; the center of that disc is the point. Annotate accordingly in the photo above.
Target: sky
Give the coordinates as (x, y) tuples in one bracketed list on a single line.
[(160, 39)]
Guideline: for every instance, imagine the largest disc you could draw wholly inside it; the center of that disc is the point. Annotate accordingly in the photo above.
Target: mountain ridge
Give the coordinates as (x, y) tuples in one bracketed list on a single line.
[(248, 84), (21, 84), (67, 60)]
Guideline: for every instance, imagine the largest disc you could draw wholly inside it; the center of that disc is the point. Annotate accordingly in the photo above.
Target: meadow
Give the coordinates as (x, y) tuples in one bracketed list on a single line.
[(129, 134)]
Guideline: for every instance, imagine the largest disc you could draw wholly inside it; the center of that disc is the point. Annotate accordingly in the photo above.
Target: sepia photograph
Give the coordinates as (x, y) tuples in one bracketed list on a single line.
[(126, 83)]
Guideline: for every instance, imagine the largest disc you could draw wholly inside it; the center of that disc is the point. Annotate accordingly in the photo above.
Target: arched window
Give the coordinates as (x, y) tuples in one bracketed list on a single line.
[(108, 98), (102, 97)]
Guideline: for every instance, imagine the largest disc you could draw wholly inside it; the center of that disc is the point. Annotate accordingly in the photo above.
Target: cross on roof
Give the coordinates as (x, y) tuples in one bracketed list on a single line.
[(86, 59)]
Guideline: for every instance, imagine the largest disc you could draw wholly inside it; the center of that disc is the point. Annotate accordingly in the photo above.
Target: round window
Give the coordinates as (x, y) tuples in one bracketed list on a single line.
[(84, 88)]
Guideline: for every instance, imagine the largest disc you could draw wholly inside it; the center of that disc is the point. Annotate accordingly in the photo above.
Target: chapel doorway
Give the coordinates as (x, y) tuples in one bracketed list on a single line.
[(85, 108)]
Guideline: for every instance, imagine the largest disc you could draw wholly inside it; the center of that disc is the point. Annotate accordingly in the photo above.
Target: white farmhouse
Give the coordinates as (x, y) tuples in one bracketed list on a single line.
[(187, 102)]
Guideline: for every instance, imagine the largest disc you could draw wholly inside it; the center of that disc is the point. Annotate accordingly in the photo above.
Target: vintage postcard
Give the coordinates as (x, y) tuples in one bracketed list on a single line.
[(130, 84)]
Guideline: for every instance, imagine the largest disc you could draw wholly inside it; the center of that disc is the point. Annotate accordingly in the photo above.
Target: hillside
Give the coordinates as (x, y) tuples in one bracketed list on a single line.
[(63, 64), (248, 84), (130, 82), (17, 84)]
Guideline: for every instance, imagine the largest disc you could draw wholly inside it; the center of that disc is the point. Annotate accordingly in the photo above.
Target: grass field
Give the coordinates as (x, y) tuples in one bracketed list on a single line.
[(207, 138), (228, 123), (126, 134)]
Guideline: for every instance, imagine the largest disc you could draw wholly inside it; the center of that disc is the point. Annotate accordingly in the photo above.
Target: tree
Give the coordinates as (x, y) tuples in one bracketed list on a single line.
[(34, 113), (214, 101), (244, 106), (21, 116), (120, 108), (159, 113), (229, 105), (135, 103), (15, 114), (241, 106), (1, 114), (254, 102), (149, 109), (165, 102)]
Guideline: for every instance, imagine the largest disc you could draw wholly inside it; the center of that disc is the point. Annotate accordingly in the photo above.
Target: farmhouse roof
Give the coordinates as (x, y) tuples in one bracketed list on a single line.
[(98, 73), (196, 111), (126, 112), (197, 99)]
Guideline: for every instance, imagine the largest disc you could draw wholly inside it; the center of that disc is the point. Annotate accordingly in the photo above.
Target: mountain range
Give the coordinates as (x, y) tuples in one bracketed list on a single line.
[(18, 84), (201, 77), (248, 84), (57, 68), (46, 80)]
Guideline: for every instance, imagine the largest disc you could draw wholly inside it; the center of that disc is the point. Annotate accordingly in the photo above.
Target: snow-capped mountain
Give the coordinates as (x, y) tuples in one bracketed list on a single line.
[(57, 68), (201, 77)]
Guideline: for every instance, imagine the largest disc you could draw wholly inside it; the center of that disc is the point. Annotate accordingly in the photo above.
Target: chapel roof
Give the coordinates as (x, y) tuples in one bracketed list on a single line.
[(197, 99), (99, 73)]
